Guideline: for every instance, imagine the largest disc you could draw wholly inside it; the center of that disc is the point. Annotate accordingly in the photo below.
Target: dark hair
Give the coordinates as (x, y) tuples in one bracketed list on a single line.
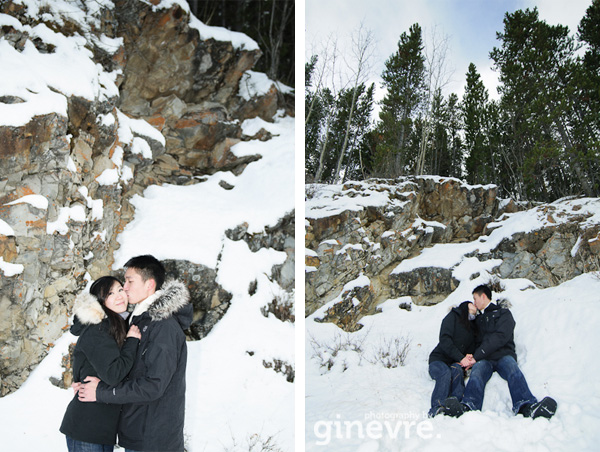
[(148, 267), (483, 289), (463, 318), (117, 325)]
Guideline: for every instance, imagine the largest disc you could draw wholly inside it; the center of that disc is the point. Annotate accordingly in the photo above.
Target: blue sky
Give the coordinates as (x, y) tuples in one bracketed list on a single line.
[(470, 25)]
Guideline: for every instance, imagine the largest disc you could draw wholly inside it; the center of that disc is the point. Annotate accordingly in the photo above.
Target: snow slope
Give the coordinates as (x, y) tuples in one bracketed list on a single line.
[(355, 403)]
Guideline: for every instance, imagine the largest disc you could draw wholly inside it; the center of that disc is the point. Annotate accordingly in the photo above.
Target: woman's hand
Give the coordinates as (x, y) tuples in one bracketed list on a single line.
[(134, 331), (467, 362)]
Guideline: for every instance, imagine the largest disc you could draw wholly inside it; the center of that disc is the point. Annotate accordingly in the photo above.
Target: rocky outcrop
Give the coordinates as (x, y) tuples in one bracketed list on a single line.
[(552, 255), (368, 229), (167, 109), (398, 220)]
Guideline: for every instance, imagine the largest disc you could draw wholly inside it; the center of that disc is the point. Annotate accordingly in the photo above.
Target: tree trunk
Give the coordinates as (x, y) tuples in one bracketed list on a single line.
[(338, 168), (569, 148), (320, 169)]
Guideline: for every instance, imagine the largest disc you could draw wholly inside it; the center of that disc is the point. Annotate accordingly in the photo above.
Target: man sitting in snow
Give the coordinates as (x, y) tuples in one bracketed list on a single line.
[(153, 394), (495, 351)]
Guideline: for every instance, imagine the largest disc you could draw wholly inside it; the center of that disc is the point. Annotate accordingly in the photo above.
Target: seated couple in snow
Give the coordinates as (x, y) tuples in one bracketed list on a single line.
[(478, 336)]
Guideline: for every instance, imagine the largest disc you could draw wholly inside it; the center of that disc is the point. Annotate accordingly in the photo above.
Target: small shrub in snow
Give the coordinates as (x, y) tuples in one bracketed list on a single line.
[(255, 443), (391, 353), (495, 284), (282, 307), (339, 351), (311, 190)]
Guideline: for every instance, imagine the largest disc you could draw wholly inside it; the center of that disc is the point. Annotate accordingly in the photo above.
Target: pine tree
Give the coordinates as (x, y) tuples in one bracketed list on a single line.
[(536, 62), (586, 108), (403, 78), (316, 105), (358, 160), (452, 166), (479, 164)]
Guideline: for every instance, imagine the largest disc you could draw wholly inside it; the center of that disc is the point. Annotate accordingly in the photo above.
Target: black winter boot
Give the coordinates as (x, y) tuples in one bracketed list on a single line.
[(452, 407)]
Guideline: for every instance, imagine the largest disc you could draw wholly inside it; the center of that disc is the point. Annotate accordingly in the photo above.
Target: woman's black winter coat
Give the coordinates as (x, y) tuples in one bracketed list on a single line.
[(96, 354), (456, 339)]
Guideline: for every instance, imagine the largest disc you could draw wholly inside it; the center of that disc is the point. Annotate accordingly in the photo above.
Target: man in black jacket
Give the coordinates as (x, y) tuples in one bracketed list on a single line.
[(153, 395), (495, 352)]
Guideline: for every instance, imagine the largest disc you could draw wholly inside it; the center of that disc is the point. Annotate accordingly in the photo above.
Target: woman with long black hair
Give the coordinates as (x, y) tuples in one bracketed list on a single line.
[(105, 349), (449, 359)]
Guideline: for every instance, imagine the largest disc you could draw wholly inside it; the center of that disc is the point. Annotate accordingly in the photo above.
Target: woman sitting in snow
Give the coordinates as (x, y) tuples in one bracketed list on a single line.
[(450, 357), (105, 349)]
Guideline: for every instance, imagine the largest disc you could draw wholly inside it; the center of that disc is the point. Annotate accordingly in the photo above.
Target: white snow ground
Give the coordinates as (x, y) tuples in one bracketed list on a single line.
[(361, 406), (233, 402)]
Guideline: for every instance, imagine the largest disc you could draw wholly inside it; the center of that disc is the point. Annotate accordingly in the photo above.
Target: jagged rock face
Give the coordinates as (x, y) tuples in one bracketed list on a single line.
[(187, 87), (426, 286), (166, 57), (547, 256), (397, 219), (209, 299), (184, 87), (351, 308), (416, 213)]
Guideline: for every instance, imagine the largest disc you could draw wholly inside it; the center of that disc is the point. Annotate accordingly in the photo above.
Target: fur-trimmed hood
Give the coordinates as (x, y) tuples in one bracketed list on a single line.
[(168, 302), (87, 311)]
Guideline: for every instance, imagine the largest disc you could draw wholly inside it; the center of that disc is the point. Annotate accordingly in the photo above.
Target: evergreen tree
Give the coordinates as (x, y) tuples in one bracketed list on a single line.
[(452, 165), (329, 127), (358, 158), (437, 141), (403, 78), (589, 33), (479, 164), (317, 134), (586, 108), (536, 64), (316, 106)]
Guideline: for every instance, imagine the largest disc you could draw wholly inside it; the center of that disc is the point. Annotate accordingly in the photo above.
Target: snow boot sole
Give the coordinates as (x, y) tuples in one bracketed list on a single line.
[(544, 408)]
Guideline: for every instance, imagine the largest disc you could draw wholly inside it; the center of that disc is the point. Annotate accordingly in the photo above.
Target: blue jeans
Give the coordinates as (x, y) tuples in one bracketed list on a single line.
[(449, 381), (509, 370), (80, 446)]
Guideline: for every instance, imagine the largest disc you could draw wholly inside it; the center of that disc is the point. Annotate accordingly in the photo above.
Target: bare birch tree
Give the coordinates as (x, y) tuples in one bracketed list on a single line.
[(437, 76), (359, 66), (325, 54), (331, 52)]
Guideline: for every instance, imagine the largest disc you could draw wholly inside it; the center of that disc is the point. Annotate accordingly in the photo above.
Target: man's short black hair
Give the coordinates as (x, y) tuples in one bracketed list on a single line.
[(148, 267), (483, 289)]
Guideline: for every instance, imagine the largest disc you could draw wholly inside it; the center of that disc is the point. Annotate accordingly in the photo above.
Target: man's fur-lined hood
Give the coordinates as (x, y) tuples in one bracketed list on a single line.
[(166, 303)]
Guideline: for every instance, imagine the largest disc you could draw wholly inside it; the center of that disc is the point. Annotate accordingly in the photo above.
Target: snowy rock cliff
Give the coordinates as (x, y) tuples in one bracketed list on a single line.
[(367, 242), (98, 101)]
